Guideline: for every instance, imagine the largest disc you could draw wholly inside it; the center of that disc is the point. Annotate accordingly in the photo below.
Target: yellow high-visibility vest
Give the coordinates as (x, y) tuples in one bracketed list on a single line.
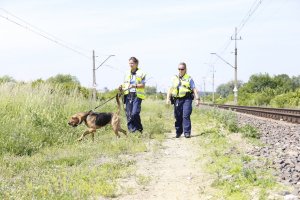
[(139, 76), (180, 87)]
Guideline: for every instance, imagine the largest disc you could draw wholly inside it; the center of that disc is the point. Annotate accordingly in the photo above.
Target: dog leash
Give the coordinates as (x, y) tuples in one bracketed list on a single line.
[(105, 102), (119, 93)]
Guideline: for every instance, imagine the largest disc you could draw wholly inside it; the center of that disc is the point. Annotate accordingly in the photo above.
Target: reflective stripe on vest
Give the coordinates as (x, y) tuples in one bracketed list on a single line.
[(139, 76), (179, 90)]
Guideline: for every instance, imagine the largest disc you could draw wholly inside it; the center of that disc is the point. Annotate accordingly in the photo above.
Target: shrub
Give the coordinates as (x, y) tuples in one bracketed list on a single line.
[(249, 131), (290, 99)]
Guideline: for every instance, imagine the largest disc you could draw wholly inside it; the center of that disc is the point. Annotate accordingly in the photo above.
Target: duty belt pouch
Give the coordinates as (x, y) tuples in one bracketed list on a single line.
[(190, 95), (132, 95), (172, 100), (124, 98)]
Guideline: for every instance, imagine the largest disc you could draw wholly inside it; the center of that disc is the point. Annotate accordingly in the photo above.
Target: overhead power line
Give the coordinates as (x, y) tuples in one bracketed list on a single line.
[(252, 10), (44, 32), (242, 24), (44, 35)]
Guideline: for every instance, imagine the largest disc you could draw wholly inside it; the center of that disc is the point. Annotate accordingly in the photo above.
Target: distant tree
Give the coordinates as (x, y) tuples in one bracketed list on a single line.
[(258, 82), (283, 83), (62, 78), (67, 83), (37, 82), (5, 79), (295, 82), (227, 88), (105, 89), (150, 90)]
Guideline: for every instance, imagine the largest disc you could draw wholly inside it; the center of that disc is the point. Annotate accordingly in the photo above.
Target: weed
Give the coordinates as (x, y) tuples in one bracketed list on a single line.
[(143, 180), (249, 131), (246, 158)]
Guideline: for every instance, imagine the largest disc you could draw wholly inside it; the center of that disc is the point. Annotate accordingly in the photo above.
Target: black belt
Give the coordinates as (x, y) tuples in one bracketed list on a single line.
[(132, 94), (187, 96)]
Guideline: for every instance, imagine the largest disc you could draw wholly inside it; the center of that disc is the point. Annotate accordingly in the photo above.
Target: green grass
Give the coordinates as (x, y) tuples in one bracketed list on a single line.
[(40, 157), (86, 169), (143, 180), (228, 161), (228, 120)]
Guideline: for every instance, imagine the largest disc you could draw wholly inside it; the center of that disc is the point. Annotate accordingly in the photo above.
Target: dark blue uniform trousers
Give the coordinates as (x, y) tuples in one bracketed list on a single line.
[(182, 113), (133, 109)]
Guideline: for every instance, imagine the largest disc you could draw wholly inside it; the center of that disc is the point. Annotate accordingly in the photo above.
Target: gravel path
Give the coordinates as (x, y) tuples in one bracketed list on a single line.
[(175, 172)]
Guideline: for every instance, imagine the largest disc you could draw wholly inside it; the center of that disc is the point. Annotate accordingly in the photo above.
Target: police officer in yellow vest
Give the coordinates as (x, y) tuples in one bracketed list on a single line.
[(181, 94), (134, 93)]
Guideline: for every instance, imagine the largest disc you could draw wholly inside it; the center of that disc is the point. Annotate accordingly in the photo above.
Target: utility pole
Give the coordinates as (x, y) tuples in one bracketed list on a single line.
[(235, 90), (213, 84), (94, 78), (213, 80), (204, 93), (94, 74), (155, 90)]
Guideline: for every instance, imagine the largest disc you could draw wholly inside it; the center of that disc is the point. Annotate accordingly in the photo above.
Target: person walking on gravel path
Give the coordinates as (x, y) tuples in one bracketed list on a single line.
[(181, 94), (134, 87)]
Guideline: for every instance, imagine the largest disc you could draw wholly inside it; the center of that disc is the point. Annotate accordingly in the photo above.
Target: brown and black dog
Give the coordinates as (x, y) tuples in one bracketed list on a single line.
[(94, 121)]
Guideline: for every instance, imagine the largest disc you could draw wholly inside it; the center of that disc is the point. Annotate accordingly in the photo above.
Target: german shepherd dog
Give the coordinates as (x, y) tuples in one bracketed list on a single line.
[(94, 121)]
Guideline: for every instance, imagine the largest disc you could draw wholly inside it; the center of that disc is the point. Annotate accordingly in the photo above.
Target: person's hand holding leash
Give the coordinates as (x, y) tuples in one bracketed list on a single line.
[(132, 86), (197, 102), (120, 88), (168, 101)]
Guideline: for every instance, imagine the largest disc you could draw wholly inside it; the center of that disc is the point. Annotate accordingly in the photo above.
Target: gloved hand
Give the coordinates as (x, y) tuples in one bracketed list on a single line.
[(120, 88)]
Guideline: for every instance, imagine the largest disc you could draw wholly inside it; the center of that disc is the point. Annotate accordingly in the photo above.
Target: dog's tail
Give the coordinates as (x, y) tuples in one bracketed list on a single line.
[(118, 102)]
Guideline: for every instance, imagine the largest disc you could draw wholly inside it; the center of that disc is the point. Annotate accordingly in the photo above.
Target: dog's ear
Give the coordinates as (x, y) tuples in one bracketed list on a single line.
[(79, 119), (76, 120)]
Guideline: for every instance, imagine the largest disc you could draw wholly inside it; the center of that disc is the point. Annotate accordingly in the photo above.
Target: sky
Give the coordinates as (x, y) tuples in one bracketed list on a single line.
[(161, 34)]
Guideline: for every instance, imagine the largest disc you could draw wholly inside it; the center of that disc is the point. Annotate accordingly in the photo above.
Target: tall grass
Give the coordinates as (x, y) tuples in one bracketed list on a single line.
[(156, 118), (40, 157), (32, 118)]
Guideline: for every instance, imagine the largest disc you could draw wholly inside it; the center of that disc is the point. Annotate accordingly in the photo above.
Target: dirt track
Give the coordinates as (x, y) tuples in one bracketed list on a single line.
[(175, 172)]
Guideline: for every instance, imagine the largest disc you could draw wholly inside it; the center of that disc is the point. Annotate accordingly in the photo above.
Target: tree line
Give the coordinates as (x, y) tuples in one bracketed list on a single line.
[(69, 83), (263, 90)]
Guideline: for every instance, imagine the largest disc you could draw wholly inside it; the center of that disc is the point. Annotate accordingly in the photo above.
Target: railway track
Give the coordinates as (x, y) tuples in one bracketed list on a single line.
[(288, 115)]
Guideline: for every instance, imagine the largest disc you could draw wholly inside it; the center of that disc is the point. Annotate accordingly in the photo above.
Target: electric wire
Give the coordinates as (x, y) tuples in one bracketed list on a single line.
[(249, 14), (56, 40), (241, 25), (44, 32), (45, 36), (255, 5)]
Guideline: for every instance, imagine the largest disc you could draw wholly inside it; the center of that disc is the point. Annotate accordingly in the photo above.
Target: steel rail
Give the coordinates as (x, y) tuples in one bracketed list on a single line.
[(288, 115), (282, 110)]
